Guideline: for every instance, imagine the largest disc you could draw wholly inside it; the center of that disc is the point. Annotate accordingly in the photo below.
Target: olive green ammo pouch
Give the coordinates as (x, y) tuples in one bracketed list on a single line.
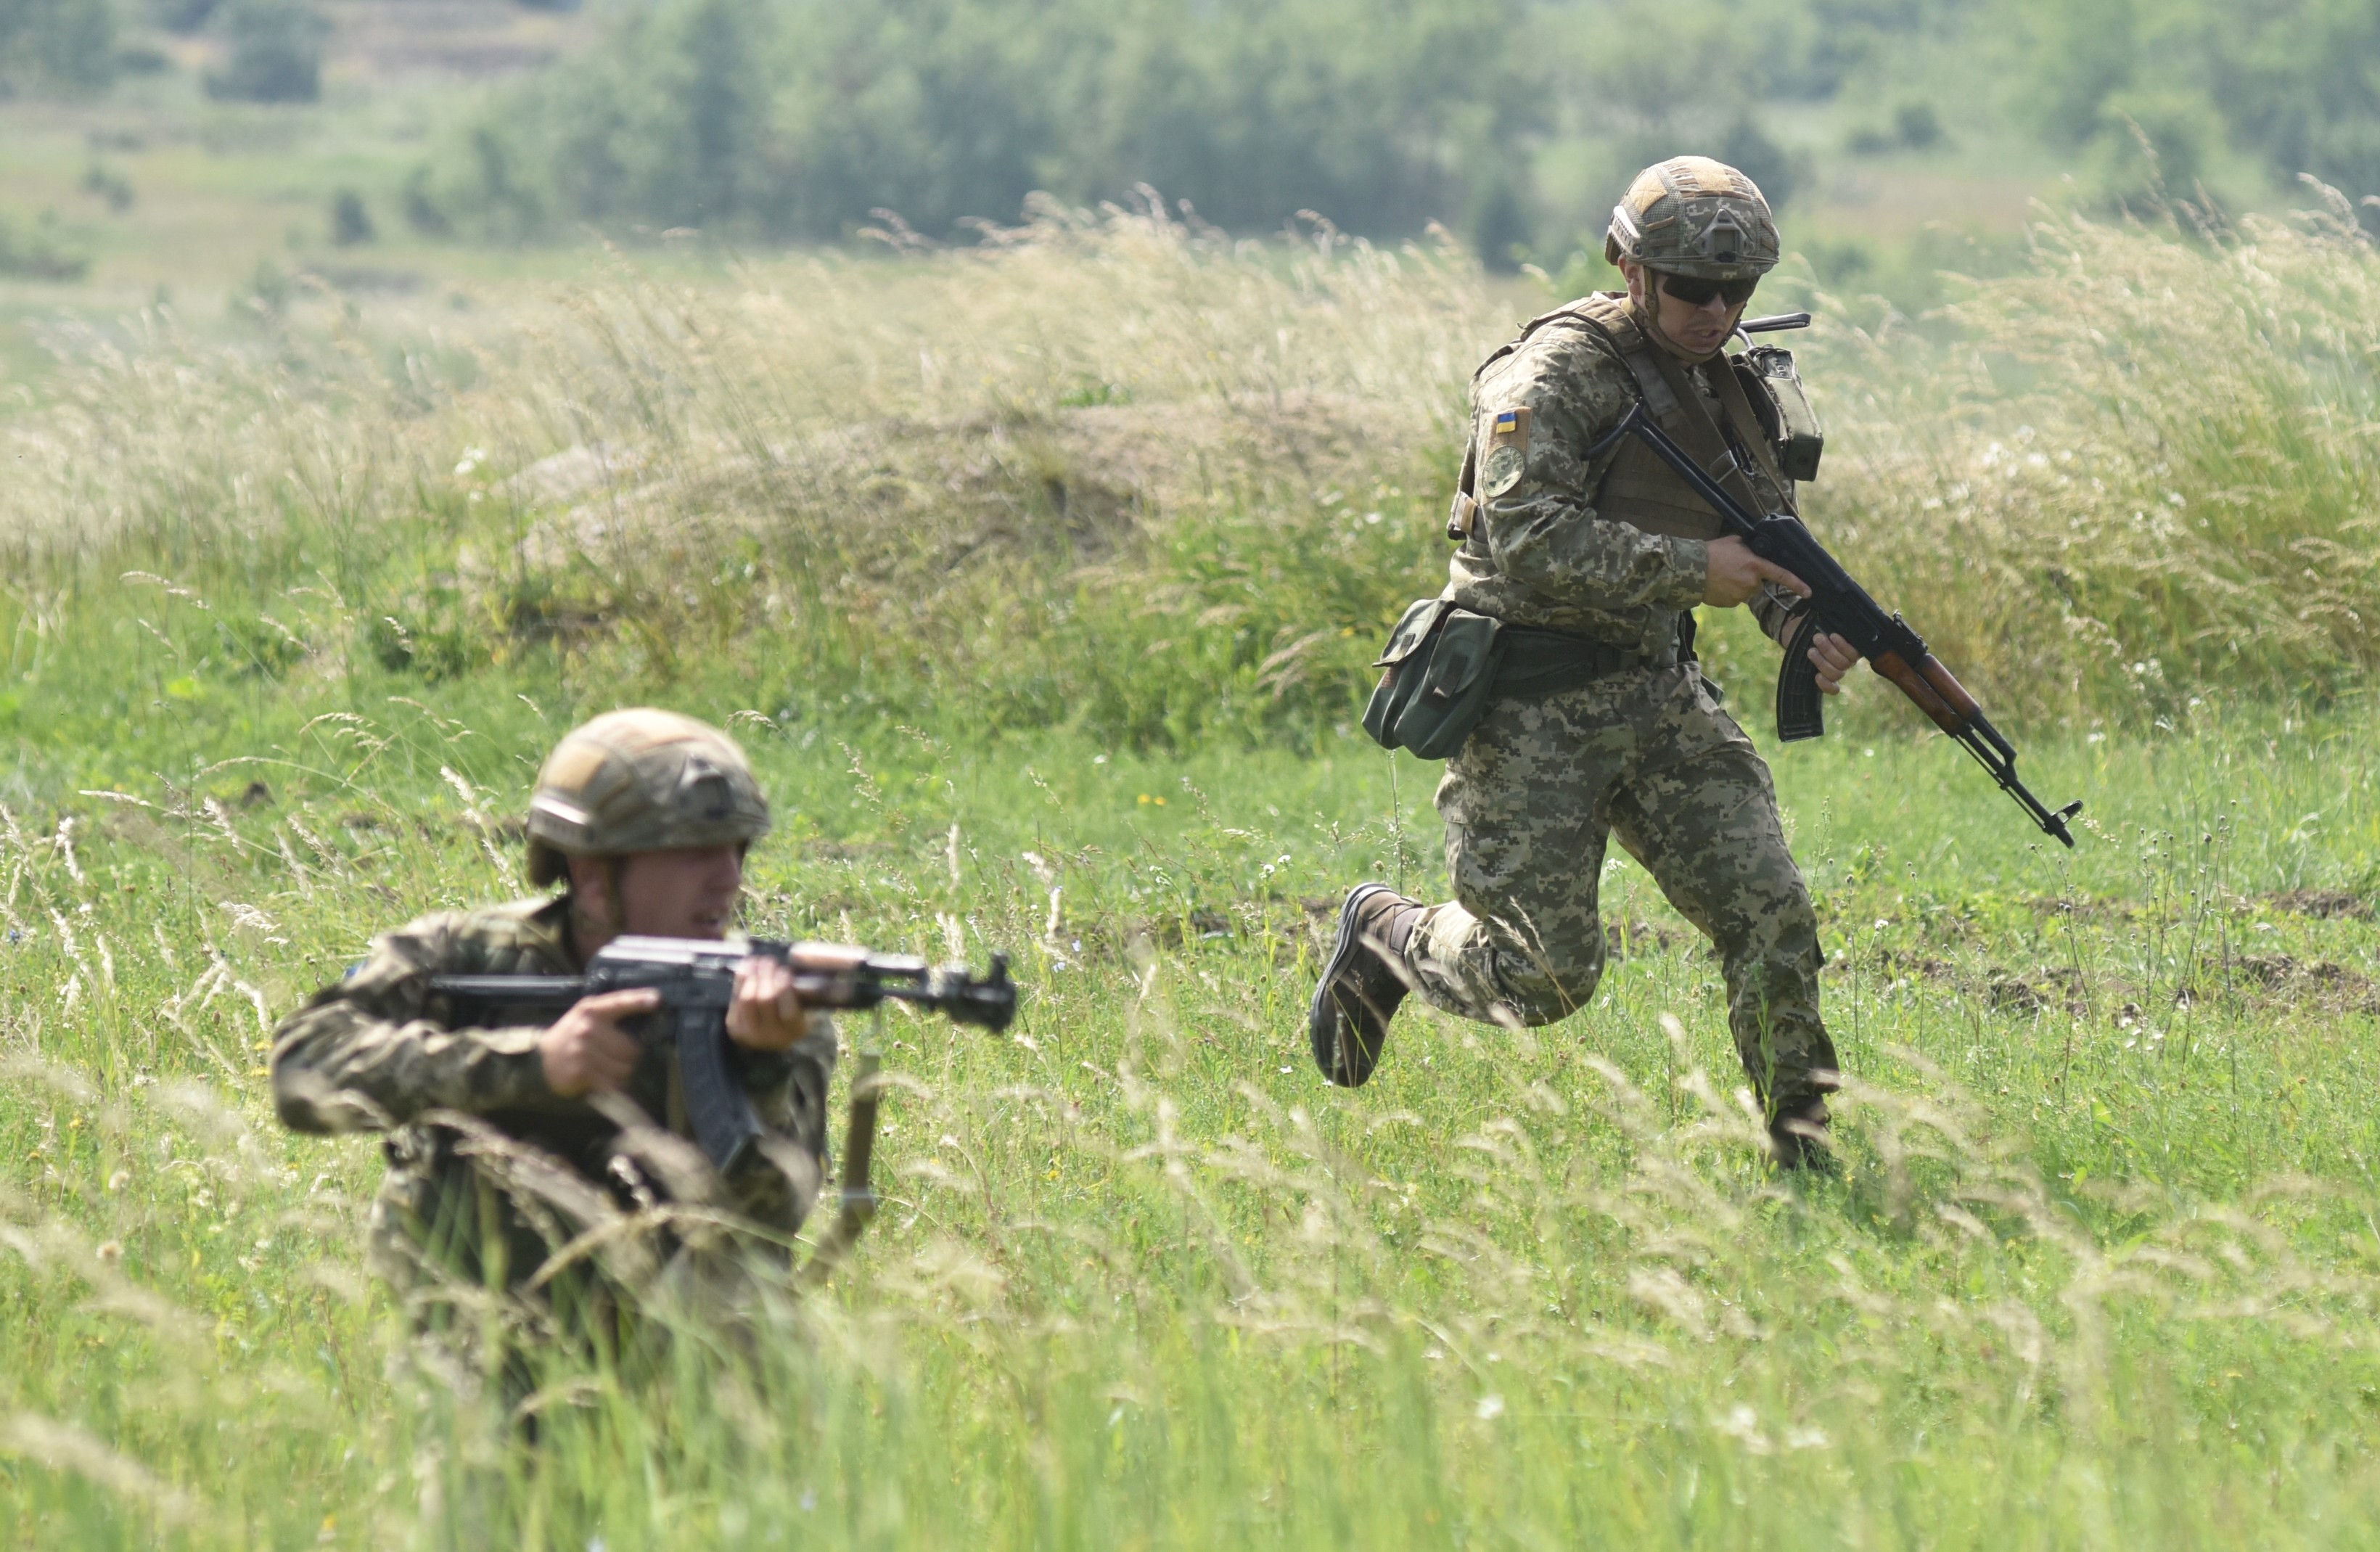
[(1783, 408), (1436, 675)]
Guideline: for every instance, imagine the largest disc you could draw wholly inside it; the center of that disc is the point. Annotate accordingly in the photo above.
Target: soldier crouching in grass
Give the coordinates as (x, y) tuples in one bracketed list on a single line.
[(506, 1145), (1599, 721)]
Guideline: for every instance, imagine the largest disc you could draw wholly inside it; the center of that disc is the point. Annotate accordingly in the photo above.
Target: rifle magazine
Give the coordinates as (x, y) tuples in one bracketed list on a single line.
[(1801, 707)]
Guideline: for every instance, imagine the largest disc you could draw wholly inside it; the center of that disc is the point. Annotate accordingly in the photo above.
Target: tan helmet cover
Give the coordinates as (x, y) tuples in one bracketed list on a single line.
[(1692, 217), (640, 781)]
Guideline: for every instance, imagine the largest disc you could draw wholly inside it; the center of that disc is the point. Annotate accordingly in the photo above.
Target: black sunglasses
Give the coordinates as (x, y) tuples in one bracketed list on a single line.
[(1696, 292)]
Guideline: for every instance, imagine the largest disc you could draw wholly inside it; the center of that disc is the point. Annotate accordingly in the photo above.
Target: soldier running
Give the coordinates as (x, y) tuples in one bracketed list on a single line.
[(1606, 559)]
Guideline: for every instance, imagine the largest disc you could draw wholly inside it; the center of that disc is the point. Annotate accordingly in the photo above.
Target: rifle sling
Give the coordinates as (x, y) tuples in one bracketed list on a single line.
[(1748, 436), (1729, 447), (1661, 382)]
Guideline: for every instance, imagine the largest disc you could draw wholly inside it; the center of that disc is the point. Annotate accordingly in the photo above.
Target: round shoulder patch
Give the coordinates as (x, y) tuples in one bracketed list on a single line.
[(1503, 471)]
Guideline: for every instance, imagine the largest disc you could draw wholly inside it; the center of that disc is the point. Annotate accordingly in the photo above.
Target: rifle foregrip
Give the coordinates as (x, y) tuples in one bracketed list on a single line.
[(1954, 695), (1801, 707), (1918, 687)]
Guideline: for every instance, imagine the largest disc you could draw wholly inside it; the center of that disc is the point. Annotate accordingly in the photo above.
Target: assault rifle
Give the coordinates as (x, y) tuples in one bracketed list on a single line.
[(1840, 606), (696, 978)]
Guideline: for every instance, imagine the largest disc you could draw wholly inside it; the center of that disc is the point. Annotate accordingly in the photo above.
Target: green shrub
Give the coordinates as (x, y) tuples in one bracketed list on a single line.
[(39, 254), (351, 221)]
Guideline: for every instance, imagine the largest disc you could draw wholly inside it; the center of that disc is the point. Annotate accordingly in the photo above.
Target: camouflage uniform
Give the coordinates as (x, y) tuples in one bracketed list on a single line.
[(1646, 753), (483, 1206), (490, 1173), (1614, 550)]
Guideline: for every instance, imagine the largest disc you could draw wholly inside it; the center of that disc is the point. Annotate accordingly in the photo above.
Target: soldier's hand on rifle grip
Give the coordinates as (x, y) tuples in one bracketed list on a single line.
[(586, 1051), (766, 1014), (1833, 656), (1736, 573)]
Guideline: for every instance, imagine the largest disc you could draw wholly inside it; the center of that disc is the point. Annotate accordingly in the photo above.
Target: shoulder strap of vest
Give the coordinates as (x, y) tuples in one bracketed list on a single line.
[(1605, 312), (1662, 383), (1659, 382), (1751, 436), (1583, 310), (1611, 320)]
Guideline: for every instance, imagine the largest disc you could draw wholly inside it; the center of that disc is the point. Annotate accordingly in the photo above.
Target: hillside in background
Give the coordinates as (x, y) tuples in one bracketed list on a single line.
[(186, 142), (1133, 477)]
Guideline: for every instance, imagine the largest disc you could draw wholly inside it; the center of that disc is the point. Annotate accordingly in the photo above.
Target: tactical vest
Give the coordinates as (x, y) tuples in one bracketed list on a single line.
[(1637, 488)]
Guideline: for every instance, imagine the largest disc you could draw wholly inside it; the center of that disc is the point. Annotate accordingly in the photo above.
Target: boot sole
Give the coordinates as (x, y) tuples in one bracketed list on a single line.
[(1323, 1017)]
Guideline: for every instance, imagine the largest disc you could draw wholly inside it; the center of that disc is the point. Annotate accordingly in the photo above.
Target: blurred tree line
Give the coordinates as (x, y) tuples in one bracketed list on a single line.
[(272, 49), (802, 118), (57, 44), (798, 118), (1512, 121), (2293, 83)]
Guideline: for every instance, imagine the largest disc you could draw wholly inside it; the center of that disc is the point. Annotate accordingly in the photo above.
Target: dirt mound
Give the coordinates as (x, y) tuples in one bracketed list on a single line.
[(903, 496)]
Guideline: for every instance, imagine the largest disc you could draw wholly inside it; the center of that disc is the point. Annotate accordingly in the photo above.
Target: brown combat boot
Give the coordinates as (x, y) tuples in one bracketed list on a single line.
[(1798, 1136), (1361, 983)]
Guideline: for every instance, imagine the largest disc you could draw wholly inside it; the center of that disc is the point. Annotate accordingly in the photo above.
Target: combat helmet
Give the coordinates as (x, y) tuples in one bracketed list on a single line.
[(1692, 217), (640, 781)]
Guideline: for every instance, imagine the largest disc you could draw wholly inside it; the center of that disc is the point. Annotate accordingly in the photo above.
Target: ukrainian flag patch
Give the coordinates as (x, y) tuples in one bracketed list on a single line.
[(1510, 429)]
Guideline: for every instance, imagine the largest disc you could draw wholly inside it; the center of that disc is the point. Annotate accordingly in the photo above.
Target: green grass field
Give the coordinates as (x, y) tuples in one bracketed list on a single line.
[(1044, 628), (2101, 1267)]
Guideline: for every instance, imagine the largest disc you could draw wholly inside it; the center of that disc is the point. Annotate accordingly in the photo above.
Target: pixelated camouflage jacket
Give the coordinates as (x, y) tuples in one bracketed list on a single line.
[(1540, 553), (377, 1051)]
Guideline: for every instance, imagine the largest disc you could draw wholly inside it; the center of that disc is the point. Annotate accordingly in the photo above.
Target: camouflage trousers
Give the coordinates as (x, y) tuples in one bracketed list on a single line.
[(1648, 756), (500, 1254)]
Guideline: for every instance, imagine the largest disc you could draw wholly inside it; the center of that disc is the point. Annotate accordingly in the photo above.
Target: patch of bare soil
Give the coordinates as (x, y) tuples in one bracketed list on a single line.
[(2060, 990), (2281, 977), (2084, 909), (2328, 905), (1900, 962)]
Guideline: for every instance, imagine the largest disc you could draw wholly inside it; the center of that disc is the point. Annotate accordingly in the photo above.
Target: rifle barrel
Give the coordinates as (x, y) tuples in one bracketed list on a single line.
[(988, 1001)]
